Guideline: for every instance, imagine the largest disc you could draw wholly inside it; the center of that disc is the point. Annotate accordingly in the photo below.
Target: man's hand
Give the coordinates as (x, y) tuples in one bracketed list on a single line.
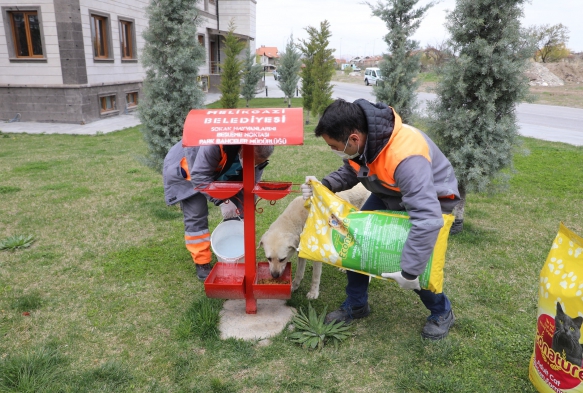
[(306, 188), (402, 281), (229, 210)]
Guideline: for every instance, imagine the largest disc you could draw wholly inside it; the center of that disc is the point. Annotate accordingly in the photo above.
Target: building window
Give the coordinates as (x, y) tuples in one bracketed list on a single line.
[(212, 1), (26, 34), (126, 30), (201, 40), (107, 103), (99, 36), (132, 99)]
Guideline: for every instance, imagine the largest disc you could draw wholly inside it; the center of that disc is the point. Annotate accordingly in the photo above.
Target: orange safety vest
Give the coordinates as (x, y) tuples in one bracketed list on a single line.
[(220, 167), (405, 141)]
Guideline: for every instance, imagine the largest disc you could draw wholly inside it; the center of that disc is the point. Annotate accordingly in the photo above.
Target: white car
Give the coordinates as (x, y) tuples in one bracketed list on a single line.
[(372, 76)]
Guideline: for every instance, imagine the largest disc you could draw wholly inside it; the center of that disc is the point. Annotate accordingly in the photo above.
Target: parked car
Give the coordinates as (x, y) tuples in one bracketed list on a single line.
[(372, 76), (354, 67)]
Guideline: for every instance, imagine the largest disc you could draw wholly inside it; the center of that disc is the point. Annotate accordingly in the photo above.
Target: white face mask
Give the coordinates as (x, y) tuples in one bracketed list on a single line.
[(342, 154)]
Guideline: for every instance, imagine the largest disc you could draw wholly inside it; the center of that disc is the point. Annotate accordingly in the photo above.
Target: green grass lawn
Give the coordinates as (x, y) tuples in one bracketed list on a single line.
[(114, 304)]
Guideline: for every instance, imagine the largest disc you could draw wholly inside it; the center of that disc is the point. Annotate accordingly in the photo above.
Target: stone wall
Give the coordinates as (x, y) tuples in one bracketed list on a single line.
[(66, 104)]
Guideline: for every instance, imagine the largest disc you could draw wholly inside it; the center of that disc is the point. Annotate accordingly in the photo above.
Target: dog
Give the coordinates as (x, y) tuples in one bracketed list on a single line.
[(280, 242)]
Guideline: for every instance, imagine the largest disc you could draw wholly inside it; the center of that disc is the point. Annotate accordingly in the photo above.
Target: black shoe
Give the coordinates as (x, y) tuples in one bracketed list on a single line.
[(437, 327), (202, 271), (347, 314), (456, 227)]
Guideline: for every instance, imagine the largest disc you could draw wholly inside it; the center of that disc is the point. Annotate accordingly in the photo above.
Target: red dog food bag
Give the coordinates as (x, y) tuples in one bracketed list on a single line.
[(556, 364)]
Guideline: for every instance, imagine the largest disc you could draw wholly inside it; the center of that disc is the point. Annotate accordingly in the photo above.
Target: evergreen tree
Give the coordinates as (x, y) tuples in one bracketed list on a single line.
[(307, 47), (171, 58), (474, 114), (323, 69), (230, 86), (251, 76), (401, 65), (289, 69)]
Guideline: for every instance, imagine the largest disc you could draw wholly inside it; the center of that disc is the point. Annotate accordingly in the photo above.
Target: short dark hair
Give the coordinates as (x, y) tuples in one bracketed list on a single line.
[(263, 152), (340, 119)]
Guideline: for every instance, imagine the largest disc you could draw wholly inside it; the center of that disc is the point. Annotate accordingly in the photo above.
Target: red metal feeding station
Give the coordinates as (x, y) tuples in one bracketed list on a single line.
[(247, 127)]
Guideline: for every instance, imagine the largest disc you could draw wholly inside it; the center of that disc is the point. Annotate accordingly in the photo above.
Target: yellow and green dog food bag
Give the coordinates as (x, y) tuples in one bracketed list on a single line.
[(556, 363), (338, 234)]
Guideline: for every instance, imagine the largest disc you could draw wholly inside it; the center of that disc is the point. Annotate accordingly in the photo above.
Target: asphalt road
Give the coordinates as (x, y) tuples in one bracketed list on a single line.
[(547, 122)]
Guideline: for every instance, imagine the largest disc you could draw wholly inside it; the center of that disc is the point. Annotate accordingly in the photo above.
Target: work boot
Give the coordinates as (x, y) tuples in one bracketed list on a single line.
[(437, 326), (203, 270), (457, 226), (347, 314)]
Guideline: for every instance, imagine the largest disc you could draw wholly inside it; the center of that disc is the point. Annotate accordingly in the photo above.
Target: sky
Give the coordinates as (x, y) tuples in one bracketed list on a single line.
[(355, 32)]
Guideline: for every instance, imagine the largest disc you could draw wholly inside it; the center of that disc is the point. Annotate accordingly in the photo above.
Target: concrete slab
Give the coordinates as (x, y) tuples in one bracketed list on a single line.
[(272, 317), (104, 126)]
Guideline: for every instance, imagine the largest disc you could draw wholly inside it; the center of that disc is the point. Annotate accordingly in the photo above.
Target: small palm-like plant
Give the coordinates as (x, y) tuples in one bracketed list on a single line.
[(312, 332), (17, 241)]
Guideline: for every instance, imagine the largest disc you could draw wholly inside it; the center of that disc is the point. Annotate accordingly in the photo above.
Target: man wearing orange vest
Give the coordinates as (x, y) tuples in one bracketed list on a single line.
[(404, 170), (189, 169)]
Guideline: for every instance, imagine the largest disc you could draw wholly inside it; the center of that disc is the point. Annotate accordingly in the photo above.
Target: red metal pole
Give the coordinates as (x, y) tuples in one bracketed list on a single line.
[(249, 222)]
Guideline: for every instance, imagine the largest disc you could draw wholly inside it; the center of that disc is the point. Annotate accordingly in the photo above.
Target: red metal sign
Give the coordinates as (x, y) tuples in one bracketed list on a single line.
[(249, 126)]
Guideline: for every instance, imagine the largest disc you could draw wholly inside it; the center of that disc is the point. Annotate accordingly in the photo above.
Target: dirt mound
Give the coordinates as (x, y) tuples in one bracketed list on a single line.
[(539, 75), (571, 72)]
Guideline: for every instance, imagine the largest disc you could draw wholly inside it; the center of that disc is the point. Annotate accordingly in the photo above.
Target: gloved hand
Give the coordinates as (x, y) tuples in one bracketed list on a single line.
[(306, 188), (402, 281), (229, 210)]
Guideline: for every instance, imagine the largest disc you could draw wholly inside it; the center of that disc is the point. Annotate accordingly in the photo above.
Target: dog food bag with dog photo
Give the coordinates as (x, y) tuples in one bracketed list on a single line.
[(338, 234), (556, 363)]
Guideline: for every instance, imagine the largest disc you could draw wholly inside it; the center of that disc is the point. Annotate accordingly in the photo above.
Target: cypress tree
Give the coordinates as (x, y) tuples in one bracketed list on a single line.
[(171, 58), (289, 69), (401, 65), (307, 47), (474, 117), (230, 86), (251, 76), (323, 69)]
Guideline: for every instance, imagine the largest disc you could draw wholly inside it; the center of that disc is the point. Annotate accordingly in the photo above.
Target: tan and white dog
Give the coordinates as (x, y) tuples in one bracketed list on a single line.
[(282, 239)]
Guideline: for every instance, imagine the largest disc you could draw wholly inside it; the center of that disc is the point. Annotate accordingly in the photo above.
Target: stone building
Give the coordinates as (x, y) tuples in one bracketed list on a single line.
[(77, 61)]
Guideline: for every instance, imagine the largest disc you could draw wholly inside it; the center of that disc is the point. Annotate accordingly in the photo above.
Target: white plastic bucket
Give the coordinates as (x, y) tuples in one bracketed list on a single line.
[(228, 241)]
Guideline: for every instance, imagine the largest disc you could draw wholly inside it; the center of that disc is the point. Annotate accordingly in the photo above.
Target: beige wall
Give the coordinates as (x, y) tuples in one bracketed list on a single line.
[(243, 12), (47, 72), (118, 71)]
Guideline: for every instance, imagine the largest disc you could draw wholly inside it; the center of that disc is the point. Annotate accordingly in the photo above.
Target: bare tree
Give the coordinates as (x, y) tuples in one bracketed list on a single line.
[(437, 53), (547, 39)]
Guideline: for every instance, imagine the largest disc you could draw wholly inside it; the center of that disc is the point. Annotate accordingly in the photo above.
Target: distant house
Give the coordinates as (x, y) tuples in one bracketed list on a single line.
[(268, 56), (78, 61)]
